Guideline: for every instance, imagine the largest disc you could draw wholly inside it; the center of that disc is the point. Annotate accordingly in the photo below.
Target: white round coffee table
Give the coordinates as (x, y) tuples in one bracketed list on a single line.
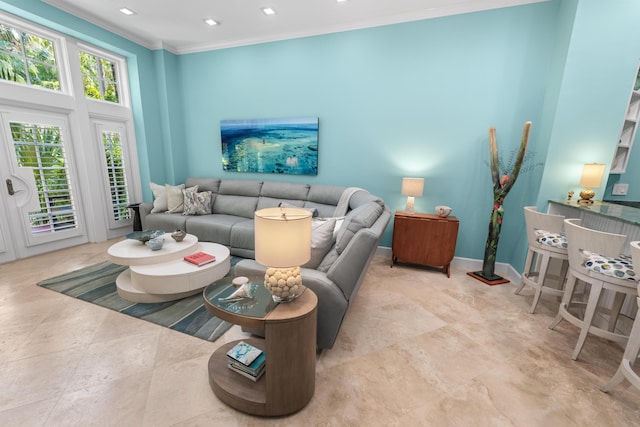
[(163, 275)]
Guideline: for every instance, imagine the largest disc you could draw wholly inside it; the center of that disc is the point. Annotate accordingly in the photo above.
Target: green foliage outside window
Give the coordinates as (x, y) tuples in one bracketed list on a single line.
[(99, 77), (27, 59)]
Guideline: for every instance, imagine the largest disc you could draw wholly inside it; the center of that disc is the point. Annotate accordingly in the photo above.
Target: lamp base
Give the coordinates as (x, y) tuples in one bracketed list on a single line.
[(285, 284), (409, 207), (586, 196)]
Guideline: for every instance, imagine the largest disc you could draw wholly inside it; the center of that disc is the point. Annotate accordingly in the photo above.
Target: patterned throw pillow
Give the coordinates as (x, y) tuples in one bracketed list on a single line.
[(551, 239), (197, 203), (175, 199), (619, 267)]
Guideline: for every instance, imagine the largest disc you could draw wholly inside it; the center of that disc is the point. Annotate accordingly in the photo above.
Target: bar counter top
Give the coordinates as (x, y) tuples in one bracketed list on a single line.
[(610, 210)]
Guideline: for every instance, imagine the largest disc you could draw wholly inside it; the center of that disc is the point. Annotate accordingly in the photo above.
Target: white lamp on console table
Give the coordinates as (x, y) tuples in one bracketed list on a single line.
[(283, 244), (412, 187)]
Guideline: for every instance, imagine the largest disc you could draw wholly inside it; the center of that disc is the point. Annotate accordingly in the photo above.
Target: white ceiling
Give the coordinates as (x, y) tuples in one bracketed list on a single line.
[(178, 26)]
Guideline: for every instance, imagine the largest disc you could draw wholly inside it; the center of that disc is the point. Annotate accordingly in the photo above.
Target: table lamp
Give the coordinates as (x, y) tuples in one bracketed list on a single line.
[(591, 178), (283, 244), (412, 187)]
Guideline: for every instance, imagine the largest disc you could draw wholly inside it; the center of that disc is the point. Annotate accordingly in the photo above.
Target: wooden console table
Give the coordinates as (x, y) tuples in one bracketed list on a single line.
[(424, 239), (289, 342)]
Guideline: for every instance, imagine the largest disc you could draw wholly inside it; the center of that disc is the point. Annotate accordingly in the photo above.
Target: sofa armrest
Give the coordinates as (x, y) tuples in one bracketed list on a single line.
[(332, 306), (144, 209), (351, 266)]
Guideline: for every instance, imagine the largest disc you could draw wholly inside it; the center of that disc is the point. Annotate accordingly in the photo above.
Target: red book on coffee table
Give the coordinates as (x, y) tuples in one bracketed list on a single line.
[(200, 258)]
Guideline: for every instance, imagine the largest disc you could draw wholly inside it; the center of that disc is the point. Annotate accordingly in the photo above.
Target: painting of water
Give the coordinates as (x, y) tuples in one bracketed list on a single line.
[(287, 146)]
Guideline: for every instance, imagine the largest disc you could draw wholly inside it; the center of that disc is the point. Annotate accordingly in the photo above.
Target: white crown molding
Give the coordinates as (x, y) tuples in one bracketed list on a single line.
[(461, 8)]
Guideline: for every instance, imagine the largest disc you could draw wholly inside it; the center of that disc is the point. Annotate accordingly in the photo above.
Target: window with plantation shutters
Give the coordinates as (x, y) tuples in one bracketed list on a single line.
[(41, 148), (116, 175)]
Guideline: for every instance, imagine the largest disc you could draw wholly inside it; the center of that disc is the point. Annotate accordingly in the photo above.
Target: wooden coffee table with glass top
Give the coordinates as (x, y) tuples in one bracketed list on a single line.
[(289, 342)]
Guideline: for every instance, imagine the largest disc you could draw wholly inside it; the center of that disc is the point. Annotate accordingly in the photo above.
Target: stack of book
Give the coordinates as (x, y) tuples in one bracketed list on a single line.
[(246, 360)]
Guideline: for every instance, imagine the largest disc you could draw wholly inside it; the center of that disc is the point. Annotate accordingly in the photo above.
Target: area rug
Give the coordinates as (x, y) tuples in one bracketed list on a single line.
[(97, 284)]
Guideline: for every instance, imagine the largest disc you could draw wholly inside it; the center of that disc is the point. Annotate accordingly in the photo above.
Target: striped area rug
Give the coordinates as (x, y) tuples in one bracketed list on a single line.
[(97, 284)]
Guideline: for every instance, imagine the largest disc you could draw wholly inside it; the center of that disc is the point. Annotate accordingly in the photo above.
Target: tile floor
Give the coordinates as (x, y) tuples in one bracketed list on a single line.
[(415, 348)]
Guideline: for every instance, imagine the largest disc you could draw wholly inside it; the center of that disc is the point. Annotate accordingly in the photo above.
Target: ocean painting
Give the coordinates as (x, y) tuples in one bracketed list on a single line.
[(287, 146)]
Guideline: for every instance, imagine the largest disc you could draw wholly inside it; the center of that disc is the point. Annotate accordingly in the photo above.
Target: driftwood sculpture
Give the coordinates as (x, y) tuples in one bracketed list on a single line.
[(501, 187)]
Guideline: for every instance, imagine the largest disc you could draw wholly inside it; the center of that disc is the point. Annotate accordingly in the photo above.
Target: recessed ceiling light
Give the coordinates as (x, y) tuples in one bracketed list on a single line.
[(268, 11), (127, 11), (341, 1), (211, 22)]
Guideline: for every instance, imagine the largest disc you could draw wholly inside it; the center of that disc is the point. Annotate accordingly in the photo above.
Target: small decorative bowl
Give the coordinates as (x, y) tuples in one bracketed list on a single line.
[(145, 235), (178, 235), (155, 244), (443, 211)]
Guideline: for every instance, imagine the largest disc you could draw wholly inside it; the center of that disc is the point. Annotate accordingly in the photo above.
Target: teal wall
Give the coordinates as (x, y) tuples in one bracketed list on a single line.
[(413, 99)]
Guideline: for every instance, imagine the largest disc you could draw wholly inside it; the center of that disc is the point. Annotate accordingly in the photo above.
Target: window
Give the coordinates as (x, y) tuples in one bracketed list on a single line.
[(99, 77), (41, 148), (116, 175), (27, 58)]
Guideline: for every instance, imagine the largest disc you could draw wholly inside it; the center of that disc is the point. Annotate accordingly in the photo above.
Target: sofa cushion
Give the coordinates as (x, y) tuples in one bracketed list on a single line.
[(213, 227), (204, 184), (321, 240), (361, 217), (283, 190), (242, 206), (160, 196), (197, 203), (242, 235), (314, 211), (165, 221), (175, 198), (238, 187)]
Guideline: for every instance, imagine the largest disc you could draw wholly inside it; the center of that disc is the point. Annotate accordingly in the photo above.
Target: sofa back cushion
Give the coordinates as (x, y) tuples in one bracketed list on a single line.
[(361, 217), (204, 184), (237, 197), (324, 198)]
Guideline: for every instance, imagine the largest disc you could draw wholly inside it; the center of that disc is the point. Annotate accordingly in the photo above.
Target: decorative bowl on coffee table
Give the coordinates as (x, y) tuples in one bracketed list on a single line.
[(145, 235)]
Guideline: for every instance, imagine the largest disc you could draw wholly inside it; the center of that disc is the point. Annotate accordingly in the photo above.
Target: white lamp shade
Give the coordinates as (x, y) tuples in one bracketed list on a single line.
[(282, 237), (592, 175), (412, 186)]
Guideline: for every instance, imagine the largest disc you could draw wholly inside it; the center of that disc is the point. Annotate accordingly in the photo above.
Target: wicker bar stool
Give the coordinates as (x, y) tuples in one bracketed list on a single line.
[(545, 235), (594, 258), (633, 345)]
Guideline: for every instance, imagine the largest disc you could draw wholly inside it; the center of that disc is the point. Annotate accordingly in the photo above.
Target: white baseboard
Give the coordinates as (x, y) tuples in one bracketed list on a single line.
[(502, 269)]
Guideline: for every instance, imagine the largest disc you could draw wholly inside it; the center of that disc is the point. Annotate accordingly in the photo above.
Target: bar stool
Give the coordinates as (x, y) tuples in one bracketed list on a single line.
[(545, 235), (633, 345), (594, 258)]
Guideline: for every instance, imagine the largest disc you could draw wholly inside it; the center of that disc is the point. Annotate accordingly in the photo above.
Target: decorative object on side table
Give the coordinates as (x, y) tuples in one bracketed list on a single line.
[(178, 235), (501, 186), (443, 211), (591, 178), (282, 244), (412, 187), (144, 235), (155, 244)]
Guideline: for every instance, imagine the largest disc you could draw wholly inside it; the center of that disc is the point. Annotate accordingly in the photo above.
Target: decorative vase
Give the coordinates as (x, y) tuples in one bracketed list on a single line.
[(178, 235), (155, 244), (285, 284)]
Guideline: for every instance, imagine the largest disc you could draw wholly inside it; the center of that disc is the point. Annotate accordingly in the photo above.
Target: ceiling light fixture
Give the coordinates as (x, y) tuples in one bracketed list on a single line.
[(211, 22), (341, 1), (127, 12), (268, 11)]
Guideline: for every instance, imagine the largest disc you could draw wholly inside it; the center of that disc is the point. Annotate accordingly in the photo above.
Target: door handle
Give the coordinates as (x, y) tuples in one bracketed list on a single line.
[(10, 187)]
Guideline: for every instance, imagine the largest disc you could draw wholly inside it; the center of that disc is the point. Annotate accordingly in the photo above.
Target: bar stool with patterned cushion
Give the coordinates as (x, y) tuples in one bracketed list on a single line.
[(594, 258), (545, 235), (633, 345)]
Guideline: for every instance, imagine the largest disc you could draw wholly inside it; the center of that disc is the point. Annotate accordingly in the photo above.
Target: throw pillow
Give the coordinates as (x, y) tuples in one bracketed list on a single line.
[(197, 203), (321, 240), (175, 198), (160, 197)]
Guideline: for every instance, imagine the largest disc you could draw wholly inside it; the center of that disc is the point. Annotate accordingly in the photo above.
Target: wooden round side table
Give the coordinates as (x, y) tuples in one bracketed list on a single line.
[(289, 343)]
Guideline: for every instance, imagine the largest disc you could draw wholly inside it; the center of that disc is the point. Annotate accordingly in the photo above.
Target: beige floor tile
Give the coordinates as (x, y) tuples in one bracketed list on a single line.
[(416, 348)]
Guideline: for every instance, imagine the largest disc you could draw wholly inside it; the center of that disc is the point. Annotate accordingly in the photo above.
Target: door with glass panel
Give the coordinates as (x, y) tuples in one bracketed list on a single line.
[(41, 194)]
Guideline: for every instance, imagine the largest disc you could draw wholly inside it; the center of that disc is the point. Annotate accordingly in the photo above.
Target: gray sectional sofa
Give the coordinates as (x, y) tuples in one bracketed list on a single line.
[(338, 264)]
